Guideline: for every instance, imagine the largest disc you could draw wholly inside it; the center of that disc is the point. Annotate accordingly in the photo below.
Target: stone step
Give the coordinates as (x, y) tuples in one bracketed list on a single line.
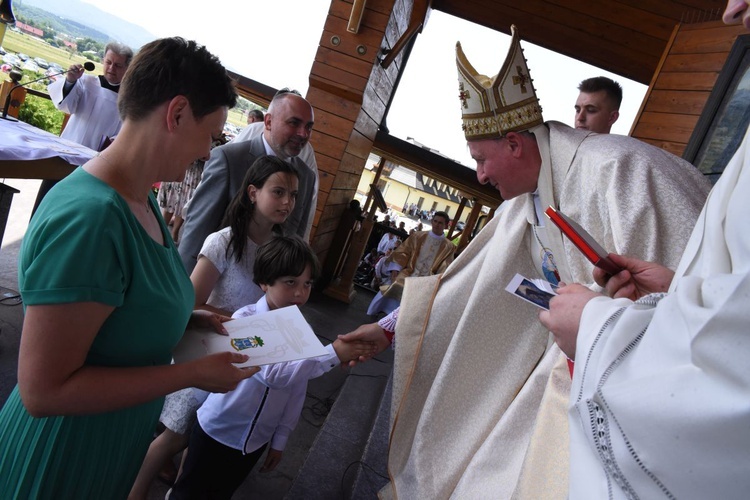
[(332, 463), (373, 472)]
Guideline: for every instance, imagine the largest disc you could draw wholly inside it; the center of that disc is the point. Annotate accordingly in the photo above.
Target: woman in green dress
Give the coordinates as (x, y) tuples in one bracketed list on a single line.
[(106, 295)]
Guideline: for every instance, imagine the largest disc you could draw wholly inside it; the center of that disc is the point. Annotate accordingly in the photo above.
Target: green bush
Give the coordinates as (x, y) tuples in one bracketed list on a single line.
[(41, 113)]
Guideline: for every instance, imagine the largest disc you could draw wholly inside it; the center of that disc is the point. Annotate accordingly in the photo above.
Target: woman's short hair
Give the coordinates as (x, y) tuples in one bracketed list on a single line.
[(284, 256), (168, 67)]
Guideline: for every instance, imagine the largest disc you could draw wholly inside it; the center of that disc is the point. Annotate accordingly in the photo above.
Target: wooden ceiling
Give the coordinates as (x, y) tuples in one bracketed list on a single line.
[(626, 37)]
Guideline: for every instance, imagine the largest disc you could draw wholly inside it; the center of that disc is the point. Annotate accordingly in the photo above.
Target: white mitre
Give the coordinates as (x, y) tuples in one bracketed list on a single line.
[(493, 107)]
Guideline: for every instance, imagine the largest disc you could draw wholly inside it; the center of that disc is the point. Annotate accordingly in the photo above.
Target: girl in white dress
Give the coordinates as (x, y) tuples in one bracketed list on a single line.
[(223, 282)]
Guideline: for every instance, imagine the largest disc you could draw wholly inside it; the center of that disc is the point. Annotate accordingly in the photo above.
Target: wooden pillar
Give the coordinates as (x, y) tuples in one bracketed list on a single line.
[(342, 287), (374, 185), (469, 227), (349, 91), (460, 211)]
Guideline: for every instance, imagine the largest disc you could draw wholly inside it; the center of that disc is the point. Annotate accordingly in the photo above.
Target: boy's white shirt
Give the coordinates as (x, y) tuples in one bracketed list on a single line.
[(266, 407)]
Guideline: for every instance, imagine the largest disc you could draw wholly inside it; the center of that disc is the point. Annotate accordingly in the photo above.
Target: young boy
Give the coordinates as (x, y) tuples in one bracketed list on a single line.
[(234, 429)]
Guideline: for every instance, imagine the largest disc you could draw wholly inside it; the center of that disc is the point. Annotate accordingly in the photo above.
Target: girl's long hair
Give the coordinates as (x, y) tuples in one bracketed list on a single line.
[(240, 211)]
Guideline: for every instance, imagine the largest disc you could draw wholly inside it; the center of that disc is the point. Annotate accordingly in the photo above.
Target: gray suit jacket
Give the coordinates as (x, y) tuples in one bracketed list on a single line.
[(222, 178)]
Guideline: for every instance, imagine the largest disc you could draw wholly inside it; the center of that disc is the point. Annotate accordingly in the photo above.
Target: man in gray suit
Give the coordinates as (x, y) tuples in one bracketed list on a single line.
[(288, 125)]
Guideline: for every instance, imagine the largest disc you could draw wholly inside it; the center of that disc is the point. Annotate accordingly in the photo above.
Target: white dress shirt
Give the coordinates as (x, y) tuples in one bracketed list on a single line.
[(265, 407)]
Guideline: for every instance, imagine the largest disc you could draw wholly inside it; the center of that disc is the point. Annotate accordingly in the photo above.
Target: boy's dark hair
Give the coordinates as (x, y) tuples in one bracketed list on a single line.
[(444, 215), (609, 86), (284, 256), (240, 210), (166, 68)]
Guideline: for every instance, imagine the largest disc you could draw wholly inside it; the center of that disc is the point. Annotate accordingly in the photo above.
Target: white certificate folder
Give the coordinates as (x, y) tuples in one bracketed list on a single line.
[(272, 337)]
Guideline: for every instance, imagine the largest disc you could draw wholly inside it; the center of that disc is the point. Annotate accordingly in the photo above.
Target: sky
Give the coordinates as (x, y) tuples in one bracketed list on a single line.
[(274, 42)]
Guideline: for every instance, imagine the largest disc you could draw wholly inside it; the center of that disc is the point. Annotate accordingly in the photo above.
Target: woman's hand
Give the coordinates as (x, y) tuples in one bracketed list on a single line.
[(637, 279), (218, 373), (55, 380), (564, 315)]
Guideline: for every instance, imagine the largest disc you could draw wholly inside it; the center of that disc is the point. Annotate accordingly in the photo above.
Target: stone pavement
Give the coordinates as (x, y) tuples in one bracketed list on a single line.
[(352, 395)]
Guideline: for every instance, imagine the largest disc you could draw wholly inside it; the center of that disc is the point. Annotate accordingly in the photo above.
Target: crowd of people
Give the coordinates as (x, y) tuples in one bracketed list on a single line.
[(632, 385)]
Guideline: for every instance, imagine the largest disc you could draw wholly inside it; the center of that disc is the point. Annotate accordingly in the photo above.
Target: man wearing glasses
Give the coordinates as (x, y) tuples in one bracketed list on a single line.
[(286, 131)]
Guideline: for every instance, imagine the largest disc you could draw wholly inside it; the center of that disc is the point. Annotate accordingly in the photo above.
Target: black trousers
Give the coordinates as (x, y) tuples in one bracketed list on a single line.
[(212, 470)]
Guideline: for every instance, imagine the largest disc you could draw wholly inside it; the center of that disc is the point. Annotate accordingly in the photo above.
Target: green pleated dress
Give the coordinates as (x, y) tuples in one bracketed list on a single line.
[(84, 244)]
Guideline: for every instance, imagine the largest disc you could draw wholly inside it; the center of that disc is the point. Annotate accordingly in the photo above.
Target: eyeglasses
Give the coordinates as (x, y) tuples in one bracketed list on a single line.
[(287, 90)]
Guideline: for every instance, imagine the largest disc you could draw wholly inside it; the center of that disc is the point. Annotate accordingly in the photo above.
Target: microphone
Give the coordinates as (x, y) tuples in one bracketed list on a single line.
[(88, 66)]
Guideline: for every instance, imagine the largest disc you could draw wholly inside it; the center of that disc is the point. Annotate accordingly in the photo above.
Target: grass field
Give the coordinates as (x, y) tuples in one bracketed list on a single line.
[(34, 47)]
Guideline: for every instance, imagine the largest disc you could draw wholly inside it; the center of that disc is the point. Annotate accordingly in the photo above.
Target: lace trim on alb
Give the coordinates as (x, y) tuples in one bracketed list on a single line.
[(600, 414)]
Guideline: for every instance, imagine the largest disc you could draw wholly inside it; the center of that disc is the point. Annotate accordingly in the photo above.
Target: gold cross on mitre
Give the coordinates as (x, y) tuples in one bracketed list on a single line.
[(520, 79), (463, 94)]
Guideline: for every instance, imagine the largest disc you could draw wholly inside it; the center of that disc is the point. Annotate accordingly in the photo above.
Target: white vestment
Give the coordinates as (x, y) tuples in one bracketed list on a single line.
[(660, 406), (479, 390), (92, 108)]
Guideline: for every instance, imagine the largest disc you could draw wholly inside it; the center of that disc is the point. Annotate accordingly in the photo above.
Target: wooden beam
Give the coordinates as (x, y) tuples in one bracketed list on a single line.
[(436, 167), (253, 90)]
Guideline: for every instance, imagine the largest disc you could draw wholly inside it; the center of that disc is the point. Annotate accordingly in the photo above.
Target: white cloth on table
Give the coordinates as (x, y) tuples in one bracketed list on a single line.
[(21, 141)]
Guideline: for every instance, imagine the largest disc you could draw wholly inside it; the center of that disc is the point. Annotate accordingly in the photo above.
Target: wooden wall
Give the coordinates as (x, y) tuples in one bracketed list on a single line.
[(349, 92), (682, 83)]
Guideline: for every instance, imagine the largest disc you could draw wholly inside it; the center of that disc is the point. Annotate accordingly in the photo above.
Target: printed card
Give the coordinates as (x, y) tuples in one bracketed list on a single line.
[(535, 291), (272, 337)]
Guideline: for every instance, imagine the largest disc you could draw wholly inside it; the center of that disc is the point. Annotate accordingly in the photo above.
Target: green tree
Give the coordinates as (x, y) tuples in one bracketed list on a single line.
[(89, 44), (40, 112)]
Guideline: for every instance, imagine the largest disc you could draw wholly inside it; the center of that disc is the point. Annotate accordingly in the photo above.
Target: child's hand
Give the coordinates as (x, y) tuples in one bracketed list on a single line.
[(201, 318), (354, 349), (272, 460), (371, 332)]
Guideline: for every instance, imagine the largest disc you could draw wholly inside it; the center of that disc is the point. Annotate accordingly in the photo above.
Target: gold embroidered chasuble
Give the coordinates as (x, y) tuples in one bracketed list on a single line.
[(408, 253), (479, 389)]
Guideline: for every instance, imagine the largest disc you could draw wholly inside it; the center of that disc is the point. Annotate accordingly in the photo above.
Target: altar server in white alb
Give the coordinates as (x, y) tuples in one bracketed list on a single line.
[(660, 403), (480, 389), (91, 100)]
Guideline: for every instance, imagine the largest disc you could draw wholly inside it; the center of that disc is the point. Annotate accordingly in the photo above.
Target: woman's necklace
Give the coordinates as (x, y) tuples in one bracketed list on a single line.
[(138, 203)]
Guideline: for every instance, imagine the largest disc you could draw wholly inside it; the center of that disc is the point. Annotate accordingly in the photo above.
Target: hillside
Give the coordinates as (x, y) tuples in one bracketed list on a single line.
[(41, 18), (69, 13)]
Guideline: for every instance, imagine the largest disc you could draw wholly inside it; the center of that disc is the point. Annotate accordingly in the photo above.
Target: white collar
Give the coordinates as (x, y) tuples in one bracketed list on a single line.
[(262, 305), (269, 150)]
